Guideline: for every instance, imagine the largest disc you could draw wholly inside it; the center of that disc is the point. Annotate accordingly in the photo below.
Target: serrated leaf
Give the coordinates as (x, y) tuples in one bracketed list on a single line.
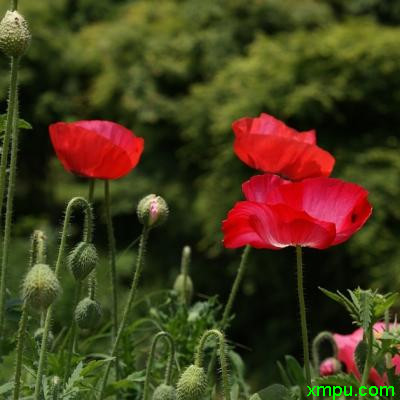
[(343, 300), (7, 387), (381, 307), (73, 380), (94, 364), (360, 355), (274, 392), (337, 380), (295, 371), (366, 307)]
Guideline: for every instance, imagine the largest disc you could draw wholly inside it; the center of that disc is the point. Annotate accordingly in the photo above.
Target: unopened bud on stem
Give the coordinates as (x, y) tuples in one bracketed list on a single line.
[(152, 211), (14, 34)]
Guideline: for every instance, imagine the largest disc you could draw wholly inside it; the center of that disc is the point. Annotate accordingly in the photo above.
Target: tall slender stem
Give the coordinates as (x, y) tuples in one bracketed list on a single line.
[(14, 5), (367, 366), (82, 203), (11, 132), (113, 269), (235, 287), (304, 332), (20, 350), (128, 306), (72, 338)]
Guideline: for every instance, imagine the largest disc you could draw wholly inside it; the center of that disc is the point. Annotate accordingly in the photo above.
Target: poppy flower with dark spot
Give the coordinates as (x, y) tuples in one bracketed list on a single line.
[(316, 212), (267, 144), (96, 149)]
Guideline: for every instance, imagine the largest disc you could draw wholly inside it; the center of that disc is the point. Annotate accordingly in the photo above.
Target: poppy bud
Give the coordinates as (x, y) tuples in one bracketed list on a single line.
[(82, 260), (55, 387), (164, 392), (329, 366), (38, 336), (152, 211), (180, 287), (255, 396), (14, 34), (41, 286), (192, 384), (87, 313)]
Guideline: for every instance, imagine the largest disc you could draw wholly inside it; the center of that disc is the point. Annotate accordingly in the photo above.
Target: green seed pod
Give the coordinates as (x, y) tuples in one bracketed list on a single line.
[(88, 313), (179, 287), (82, 260), (192, 384), (14, 34), (152, 211), (41, 286), (164, 392), (38, 336)]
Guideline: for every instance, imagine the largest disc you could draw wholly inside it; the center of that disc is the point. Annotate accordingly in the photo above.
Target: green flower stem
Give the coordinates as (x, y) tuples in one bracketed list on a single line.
[(320, 338), (113, 269), (303, 320), (14, 5), (11, 133), (92, 280), (72, 339), (20, 350), (150, 360), (128, 305), (199, 358), (76, 202), (368, 360), (235, 287), (229, 305)]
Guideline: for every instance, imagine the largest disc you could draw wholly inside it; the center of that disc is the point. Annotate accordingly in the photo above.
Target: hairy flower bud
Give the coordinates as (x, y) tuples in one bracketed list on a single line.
[(180, 287), (164, 392), (41, 286), (255, 396), (14, 34), (82, 260), (87, 313), (192, 384), (38, 336), (152, 211), (329, 366)]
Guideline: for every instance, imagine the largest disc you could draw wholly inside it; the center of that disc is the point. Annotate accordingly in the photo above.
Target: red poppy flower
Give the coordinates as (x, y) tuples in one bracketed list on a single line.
[(347, 345), (96, 149), (316, 212), (267, 144)]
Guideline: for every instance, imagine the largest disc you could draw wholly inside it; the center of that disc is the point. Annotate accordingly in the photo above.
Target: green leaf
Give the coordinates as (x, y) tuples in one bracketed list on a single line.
[(94, 364), (295, 371), (22, 124), (7, 387), (384, 305), (337, 380), (366, 307), (361, 355), (273, 392), (344, 301), (284, 376), (75, 378)]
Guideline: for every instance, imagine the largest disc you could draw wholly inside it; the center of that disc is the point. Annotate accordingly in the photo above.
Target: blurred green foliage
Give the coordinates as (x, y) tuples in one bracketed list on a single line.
[(178, 72)]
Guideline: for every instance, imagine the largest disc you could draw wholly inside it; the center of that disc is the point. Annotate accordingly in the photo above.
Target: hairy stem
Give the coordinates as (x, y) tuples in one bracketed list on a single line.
[(128, 305), (320, 338), (72, 339), (171, 357), (302, 306), (367, 365), (20, 350), (11, 133), (76, 202), (199, 358)]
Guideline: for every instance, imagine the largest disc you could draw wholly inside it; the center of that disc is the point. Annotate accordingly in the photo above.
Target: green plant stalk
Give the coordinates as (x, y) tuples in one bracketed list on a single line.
[(368, 359), (11, 131), (20, 350), (113, 268), (72, 339), (302, 306), (87, 234), (171, 357), (199, 359), (320, 338), (185, 262), (37, 255), (229, 305), (128, 305), (14, 5)]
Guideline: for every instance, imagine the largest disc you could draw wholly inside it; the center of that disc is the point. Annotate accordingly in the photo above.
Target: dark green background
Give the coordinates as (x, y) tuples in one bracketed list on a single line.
[(178, 72)]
